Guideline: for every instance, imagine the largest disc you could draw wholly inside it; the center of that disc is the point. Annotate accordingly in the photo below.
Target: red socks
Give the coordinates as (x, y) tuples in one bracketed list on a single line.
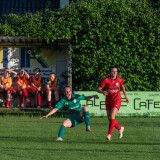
[(8, 99), (25, 93), (49, 103), (33, 89), (111, 126), (117, 125), (22, 99), (113, 123), (39, 99)]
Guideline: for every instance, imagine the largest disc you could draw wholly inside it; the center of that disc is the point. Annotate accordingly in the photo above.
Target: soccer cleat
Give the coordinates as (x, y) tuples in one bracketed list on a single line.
[(29, 105), (59, 139), (121, 133), (38, 107), (7, 105), (22, 105), (49, 106), (88, 130), (108, 137)]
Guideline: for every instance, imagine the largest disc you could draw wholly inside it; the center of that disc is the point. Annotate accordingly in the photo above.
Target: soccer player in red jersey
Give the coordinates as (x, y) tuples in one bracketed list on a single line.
[(112, 85)]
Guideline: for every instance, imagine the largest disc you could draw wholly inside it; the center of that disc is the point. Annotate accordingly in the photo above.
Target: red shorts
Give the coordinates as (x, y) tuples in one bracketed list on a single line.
[(113, 104), (17, 91), (32, 89)]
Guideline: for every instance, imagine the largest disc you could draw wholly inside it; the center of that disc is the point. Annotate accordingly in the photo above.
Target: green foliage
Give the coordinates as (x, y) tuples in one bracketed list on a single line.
[(104, 33), (121, 33)]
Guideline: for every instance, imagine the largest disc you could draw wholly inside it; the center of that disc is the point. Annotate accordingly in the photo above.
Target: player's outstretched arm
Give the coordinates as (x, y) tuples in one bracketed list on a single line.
[(99, 90), (93, 96), (50, 113), (124, 91)]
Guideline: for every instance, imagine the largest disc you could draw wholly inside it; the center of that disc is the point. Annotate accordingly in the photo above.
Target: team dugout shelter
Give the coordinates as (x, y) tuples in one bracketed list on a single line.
[(30, 53)]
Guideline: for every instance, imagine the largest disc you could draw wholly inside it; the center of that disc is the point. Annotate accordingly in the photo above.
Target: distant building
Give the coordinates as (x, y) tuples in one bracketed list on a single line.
[(17, 52), (31, 6)]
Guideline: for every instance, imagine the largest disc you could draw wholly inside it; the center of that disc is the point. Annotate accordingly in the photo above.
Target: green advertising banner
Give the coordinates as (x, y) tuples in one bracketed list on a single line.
[(140, 104)]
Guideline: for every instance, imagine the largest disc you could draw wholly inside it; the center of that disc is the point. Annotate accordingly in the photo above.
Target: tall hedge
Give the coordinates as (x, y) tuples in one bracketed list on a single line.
[(105, 33)]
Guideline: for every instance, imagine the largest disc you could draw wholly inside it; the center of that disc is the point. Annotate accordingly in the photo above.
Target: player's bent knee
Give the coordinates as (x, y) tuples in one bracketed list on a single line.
[(49, 91), (112, 116), (67, 123), (22, 87), (8, 92), (85, 109), (20, 93)]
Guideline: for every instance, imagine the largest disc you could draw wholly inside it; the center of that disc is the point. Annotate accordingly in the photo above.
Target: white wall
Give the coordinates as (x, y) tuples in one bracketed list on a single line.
[(63, 3), (57, 60), (61, 63)]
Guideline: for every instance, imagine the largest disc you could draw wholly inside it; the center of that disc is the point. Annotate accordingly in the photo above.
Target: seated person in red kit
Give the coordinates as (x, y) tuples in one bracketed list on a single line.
[(52, 88), (36, 86), (6, 84), (22, 85)]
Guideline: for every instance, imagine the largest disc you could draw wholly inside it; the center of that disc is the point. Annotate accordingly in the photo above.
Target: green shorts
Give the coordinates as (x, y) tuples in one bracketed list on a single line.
[(75, 119)]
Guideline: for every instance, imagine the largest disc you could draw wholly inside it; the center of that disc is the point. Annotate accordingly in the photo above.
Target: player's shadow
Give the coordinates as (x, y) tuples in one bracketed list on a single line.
[(53, 150), (70, 142), (111, 143), (143, 124), (40, 122)]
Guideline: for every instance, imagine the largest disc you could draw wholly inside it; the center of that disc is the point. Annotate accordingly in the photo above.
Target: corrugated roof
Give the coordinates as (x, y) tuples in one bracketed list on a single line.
[(23, 6), (25, 40)]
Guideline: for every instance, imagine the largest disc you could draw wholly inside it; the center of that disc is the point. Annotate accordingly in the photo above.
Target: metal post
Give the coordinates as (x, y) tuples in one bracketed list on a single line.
[(70, 66)]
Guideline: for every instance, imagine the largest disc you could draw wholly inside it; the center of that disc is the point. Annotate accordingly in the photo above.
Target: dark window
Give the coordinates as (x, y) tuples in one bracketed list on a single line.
[(23, 6)]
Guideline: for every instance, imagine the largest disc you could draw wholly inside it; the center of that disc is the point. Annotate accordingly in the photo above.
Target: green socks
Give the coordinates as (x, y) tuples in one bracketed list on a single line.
[(61, 131), (87, 119)]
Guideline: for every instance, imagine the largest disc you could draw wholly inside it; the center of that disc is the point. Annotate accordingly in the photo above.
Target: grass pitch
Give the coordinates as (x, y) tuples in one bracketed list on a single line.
[(25, 138)]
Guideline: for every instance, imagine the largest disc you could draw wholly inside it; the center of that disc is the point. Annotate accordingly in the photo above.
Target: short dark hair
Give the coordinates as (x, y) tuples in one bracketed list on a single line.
[(110, 68), (20, 69), (64, 88), (37, 69), (52, 73), (5, 68)]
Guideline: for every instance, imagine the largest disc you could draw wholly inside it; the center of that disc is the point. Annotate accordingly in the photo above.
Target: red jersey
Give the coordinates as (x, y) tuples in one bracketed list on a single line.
[(35, 80), (23, 81), (112, 87)]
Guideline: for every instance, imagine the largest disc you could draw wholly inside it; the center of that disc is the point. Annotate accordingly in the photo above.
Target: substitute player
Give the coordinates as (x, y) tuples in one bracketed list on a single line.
[(77, 114), (22, 83), (36, 85), (6, 84), (52, 88), (112, 85)]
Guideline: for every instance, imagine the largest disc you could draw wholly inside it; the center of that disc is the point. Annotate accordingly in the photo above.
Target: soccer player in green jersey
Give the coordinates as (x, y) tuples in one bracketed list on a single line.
[(77, 113)]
